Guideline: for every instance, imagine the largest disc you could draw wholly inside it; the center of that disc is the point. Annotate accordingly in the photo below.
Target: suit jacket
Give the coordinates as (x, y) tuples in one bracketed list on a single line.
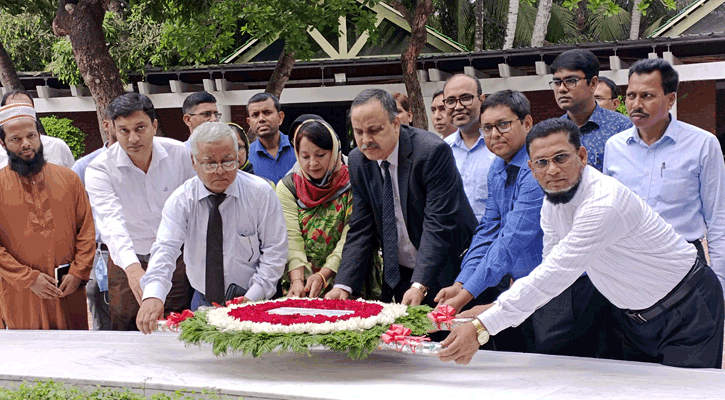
[(438, 217)]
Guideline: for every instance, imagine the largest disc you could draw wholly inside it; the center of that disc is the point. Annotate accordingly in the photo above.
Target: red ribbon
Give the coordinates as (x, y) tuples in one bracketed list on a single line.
[(398, 334), (442, 314), (236, 300), (174, 319)]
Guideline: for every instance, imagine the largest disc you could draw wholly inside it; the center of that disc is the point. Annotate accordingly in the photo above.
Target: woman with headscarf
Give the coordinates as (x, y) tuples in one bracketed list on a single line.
[(317, 204), (243, 153)]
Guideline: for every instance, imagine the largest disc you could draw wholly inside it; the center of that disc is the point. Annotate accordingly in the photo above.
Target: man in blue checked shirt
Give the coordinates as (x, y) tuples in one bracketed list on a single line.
[(508, 242)]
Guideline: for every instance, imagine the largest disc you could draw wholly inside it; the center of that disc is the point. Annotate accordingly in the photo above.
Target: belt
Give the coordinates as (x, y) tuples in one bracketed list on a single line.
[(102, 247), (688, 283)]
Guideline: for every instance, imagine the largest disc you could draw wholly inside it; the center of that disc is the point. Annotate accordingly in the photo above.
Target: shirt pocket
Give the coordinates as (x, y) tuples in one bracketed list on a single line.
[(678, 186), (248, 245)]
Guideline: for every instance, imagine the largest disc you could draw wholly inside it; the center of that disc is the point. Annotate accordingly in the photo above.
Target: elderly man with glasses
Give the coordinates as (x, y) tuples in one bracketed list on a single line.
[(230, 224), (462, 97)]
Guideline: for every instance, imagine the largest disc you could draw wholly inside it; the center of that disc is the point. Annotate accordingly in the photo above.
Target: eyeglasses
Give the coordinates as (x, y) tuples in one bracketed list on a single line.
[(502, 127), (208, 114), (465, 100), (559, 159), (570, 83), (598, 98), (211, 168)]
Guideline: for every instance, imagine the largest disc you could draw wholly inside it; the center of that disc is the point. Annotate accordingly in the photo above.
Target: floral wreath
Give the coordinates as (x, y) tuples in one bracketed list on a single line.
[(250, 328)]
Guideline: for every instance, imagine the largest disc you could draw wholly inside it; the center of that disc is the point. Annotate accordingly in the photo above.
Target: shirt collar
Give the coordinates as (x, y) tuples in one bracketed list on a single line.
[(579, 196), (158, 153), (203, 192), (520, 160), (393, 157), (598, 118), (284, 140), (671, 132), (458, 141)]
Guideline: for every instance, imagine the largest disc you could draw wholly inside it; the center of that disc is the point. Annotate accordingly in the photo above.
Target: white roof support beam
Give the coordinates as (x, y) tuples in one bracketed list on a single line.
[(616, 63), (436, 75), (506, 71), (542, 68), (146, 88), (475, 73), (46, 92)]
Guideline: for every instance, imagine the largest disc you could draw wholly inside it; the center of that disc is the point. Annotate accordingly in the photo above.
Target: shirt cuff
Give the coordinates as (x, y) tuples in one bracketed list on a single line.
[(343, 287), (127, 258), (473, 289), (296, 263), (157, 290), (333, 263), (255, 293), (492, 319)]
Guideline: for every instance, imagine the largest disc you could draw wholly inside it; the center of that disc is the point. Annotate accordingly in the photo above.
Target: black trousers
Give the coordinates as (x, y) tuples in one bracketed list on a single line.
[(690, 334), (572, 324)]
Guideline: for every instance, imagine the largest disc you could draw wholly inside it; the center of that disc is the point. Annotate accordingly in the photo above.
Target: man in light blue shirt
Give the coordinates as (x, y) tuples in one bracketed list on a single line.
[(462, 96), (230, 224), (271, 154), (675, 167)]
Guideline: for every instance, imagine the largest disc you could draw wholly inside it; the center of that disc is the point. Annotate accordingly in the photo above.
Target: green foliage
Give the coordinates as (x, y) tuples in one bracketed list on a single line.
[(63, 129), (63, 64), (622, 108), (291, 19), (49, 390), (357, 344), (561, 25), (607, 25), (27, 40)]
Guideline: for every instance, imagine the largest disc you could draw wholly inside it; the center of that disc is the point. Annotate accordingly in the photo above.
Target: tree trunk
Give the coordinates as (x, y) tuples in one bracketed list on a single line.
[(513, 16), (636, 18), (541, 24), (478, 41), (8, 76), (281, 73), (460, 20), (417, 19), (85, 30)]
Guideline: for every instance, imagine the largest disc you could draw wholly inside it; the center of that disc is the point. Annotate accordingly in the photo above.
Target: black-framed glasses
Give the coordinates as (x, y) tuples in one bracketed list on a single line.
[(559, 159), (211, 168), (569, 82), (465, 100), (208, 114), (501, 126)]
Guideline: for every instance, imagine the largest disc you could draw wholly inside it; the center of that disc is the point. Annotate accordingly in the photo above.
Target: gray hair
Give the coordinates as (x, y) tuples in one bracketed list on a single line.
[(380, 95), (212, 132)]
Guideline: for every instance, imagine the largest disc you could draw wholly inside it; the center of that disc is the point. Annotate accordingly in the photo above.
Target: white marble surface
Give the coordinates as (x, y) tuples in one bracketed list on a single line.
[(161, 363)]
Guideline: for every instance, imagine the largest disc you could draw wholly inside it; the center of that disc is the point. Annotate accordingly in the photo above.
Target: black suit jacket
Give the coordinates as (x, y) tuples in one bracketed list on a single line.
[(438, 217)]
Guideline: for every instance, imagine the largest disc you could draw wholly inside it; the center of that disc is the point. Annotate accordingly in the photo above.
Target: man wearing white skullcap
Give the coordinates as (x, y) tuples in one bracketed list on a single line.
[(47, 223)]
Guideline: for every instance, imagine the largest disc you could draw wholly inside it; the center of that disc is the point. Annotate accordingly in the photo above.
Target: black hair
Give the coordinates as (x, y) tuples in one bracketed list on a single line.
[(577, 60), (670, 78), (264, 96), (516, 101), (127, 104), (298, 121), (195, 99), (38, 126), (479, 88), (612, 86), (552, 126), (14, 93), (437, 93), (380, 95), (316, 132)]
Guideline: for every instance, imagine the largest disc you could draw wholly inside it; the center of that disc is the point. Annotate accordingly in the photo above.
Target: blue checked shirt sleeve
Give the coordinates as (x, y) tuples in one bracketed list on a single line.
[(517, 247), (485, 233)]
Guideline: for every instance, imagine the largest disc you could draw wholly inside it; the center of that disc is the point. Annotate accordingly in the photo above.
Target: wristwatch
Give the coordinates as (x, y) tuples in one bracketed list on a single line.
[(481, 332), (420, 287)]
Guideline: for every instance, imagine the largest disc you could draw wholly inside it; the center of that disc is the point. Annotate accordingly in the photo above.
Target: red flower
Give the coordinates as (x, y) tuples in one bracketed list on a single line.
[(259, 312), (174, 319)]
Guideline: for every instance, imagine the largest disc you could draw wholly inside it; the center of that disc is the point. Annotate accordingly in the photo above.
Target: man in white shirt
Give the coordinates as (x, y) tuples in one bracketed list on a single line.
[(55, 150), (230, 224), (128, 186), (198, 108), (667, 304)]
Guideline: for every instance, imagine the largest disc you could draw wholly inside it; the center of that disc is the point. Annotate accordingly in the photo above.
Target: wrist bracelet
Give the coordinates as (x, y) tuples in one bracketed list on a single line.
[(324, 281)]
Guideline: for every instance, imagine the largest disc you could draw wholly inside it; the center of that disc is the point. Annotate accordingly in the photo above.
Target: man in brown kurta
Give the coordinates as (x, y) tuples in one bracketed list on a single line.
[(45, 221)]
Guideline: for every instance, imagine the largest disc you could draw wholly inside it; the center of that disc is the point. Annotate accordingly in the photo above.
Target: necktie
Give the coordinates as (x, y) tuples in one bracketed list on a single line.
[(215, 253), (512, 172), (390, 232)]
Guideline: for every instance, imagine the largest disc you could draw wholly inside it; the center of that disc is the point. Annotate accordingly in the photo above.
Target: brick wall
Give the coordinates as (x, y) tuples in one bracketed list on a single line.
[(697, 104), (543, 105)]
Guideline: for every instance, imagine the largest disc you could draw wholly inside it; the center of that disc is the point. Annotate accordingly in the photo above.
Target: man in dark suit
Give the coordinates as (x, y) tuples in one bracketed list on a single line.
[(407, 196)]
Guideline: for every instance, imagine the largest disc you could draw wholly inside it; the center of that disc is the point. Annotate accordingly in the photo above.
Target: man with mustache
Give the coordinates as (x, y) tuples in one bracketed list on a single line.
[(407, 197), (46, 222), (666, 305), (675, 167), (462, 96)]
